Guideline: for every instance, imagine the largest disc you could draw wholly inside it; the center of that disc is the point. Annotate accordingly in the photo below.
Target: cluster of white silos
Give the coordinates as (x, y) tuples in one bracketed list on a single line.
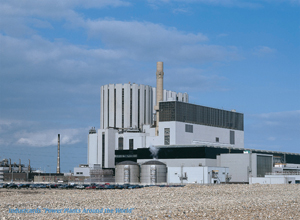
[(151, 172)]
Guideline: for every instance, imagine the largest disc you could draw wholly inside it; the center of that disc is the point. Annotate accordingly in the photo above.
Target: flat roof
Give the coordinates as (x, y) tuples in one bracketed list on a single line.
[(224, 147)]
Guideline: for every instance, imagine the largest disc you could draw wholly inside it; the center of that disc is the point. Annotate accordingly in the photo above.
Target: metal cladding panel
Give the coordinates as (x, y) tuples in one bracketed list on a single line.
[(122, 170), (109, 148), (119, 105), (135, 88), (92, 149), (101, 108), (151, 106), (185, 97), (111, 101), (147, 105), (153, 98), (173, 96), (149, 177), (197, 114), (126, 105), (119, 174), (165, 95), (142, 106), (134, 174), (105, 106), (179, 95), (264, 165)]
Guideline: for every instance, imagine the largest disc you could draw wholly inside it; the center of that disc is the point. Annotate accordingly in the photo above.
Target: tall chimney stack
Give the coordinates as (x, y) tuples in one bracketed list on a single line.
[(58, 154), (159, 90)]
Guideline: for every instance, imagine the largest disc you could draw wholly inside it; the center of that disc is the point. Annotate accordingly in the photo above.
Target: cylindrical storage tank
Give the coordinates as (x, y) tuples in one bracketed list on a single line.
[(127, 172), (153, 172)]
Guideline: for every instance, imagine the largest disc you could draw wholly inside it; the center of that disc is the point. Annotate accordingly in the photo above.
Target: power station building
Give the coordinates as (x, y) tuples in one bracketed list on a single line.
[(136, 116)]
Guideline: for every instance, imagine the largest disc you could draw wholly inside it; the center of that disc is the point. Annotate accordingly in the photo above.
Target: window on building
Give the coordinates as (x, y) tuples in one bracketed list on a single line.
[(139, 108), (120, 145), (167, 136), (130, 144), (115, 108), (130, 108), (189, 128), (232, 141), (108, 108), (122, 108), (103, 149), (217, 139)]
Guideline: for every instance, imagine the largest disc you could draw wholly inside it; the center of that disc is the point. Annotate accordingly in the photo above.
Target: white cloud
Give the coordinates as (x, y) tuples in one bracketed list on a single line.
[(280, 115), (49, 137), (123, 41), (55, 9), (17, 16), (139, 33), (150, 41), (226, 3), (37, 56), (263, 50)]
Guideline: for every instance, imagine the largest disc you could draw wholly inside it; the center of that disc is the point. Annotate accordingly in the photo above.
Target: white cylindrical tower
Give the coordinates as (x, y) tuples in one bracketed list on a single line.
[(126, 106), (159, 90)]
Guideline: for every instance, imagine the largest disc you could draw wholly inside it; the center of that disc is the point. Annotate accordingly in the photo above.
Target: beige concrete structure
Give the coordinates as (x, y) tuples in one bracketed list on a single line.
[(159, 90)]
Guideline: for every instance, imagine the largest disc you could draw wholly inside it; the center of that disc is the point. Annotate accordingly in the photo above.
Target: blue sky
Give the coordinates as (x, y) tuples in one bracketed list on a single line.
[(230, 54)]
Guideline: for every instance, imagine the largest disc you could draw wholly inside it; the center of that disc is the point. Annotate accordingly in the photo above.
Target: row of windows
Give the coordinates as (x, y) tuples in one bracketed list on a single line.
[(103, 149), (197, 114), (121, 143)]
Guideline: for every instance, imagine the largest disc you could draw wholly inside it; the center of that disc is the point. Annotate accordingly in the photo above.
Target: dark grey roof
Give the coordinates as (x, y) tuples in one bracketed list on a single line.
[(127, 162), (153, 162)]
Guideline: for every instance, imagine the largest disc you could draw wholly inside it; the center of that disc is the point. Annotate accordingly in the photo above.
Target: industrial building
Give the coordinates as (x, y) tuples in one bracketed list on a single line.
[(93, 173), (139, 123), (14, 172), (136, 116), (200, 175)]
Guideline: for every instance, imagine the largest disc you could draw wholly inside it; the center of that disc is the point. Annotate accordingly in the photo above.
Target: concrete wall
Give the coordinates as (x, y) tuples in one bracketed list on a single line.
[(109, 147), (242, 166), (84, 170), (273, 180), (201, 175), (139, 140), (201, 134), (239, 165), (92, 149)]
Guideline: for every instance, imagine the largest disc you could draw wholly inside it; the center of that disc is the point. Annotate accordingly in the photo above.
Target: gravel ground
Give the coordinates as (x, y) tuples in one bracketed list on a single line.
[(189, 202)]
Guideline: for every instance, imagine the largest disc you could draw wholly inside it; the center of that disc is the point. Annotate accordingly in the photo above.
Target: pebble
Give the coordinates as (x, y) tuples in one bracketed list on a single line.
[(189, 202)]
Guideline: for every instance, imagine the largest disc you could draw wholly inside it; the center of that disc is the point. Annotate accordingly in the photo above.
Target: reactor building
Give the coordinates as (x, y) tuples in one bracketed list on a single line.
[(136, 116), (150, 135)]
